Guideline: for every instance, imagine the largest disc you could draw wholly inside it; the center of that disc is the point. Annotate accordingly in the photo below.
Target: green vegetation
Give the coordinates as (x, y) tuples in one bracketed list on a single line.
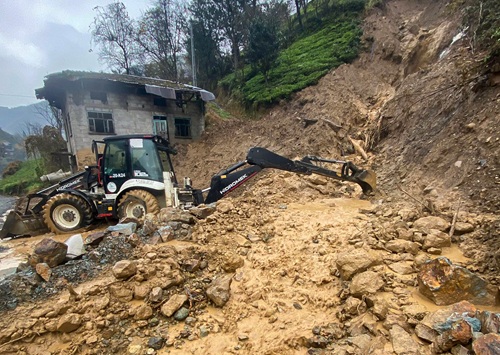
[(25, 180), (301, 64)]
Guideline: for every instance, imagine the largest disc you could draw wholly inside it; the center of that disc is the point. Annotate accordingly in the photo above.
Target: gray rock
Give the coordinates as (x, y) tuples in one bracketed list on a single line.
[(156, 294), (445, 283), (95, 238), (218, 291), (181, 314), (48, 251), (156, 343), (123, 228), (426, 333), (353, 262), (124, 269), (365, 283), (402, 342), (436, 239), (75, 247), (203, 331), (173, 304)]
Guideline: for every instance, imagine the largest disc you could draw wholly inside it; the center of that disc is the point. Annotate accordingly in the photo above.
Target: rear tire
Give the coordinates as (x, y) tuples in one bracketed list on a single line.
[(65, 213), (136, 204)]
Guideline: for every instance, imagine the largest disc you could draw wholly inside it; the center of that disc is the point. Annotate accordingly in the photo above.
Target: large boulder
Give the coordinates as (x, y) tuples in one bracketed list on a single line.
[(445, 283), (425, 224), (48, 251), (218, 291), (436, 239), (488, 344), (353, 262)]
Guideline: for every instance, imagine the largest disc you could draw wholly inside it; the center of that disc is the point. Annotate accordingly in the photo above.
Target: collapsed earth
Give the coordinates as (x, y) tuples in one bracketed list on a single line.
[(293, 263)]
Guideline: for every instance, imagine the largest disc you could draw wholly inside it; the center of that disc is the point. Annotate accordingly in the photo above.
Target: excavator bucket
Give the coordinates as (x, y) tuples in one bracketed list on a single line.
[(367, 180), (16, 225)]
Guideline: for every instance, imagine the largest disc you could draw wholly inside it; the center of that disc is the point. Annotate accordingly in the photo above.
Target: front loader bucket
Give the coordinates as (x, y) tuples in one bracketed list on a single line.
[(367, 179), (17, 225)]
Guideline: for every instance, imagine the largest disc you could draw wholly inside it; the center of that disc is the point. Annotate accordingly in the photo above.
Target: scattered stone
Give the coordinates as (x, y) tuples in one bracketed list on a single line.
[(75, 247), (156, 343), (402, 267), (69, 322), (459, 350), (426, 333), (242, 337), (353, 262), (362, 342), (203, 331), (490, 322), (435, 251), (365, 283), (402, 246), (225, 206), (156, 295), (143, 312), (460, 331), (232, 262), (123, 228), (124, 269), (166, 233), (488, 344), (317, 341), (121, 292), (463, 228), (191, 265), (218, 291), (43, 270), (48, 251), (415, 311), (202, 212), (445, 283), (95, 239), (141, 291), (402, 342), (436, 239), (134, 349), (173, 304), (181, 314), (425, 224)]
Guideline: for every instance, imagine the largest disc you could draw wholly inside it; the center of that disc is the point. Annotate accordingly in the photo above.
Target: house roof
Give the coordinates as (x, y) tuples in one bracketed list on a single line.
[(55, 82)]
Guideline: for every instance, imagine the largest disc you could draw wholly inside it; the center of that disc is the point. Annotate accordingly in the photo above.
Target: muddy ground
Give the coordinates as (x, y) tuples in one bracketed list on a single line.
[(428, 123)]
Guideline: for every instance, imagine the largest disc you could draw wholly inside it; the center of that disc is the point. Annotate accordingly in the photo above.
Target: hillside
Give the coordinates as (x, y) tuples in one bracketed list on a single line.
[(295, 264), (14, 120)]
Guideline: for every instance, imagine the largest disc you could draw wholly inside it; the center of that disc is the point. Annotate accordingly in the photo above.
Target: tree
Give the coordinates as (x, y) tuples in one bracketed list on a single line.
[(263, 47), (161, 35), (51, 115), (114, 33)]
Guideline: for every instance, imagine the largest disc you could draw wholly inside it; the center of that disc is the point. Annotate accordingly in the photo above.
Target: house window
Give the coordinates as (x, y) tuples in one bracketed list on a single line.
[(101, 122), (182, 128), (160, 126), (99, 95), (160, 101)]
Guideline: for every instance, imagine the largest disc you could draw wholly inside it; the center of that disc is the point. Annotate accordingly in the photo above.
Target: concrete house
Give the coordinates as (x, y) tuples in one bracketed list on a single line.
[(94, 105)]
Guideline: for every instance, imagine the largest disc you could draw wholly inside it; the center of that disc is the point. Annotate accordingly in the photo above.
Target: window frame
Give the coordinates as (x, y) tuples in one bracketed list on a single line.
[(179, 125), (107, 122)]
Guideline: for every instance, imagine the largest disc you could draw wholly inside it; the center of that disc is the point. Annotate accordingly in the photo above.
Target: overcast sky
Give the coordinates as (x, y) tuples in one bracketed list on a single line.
[(39, 37)]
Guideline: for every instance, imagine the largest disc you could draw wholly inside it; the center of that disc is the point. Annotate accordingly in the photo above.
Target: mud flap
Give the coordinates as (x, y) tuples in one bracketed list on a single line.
[(17, 225)]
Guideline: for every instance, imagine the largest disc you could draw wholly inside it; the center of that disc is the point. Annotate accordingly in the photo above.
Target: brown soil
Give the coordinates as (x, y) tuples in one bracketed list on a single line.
[(429, 125)]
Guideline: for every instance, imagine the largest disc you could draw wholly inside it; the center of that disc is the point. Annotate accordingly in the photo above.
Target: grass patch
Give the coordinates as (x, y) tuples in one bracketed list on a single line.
[(25, 180), (304, 62)]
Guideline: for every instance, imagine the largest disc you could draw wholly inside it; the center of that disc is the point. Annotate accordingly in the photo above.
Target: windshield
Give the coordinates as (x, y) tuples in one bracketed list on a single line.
[(145, 160)]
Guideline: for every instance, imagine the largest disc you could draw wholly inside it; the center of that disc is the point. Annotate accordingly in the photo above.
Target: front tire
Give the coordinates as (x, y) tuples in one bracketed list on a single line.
[(65, 213), (136, 204)]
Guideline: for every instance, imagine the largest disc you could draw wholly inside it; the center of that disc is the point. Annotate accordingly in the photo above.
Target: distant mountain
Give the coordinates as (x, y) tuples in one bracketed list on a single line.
[(14, 120), (6, 137)]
